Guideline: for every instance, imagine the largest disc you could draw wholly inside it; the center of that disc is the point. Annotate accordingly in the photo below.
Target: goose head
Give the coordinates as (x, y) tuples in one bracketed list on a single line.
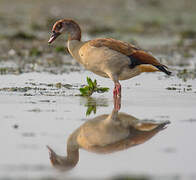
[(63, 163), (65, 26)]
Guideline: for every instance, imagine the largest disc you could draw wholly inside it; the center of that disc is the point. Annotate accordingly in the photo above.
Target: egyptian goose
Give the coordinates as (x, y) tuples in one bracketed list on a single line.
[(104, 134), (106, 57)]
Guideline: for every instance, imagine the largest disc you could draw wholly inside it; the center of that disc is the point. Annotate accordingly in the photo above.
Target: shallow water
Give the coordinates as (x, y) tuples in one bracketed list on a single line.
[(32, 119), (39, 87)]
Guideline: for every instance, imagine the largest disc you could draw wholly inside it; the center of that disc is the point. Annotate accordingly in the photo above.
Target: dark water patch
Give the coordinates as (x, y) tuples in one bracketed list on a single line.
[(97, 30), (137, 84), (28, 146), (56, 89), (46, 101), (28, 94), (163, 116), (186, 74), (10, 70), (39, 67), (21, 89), (180, 87), (38, 110), (15, 126), (144, 27), (37, 27), (34, 178), (24, 167), (35, 110), (173, 88), (60, 118), (35, 52), (50, 92), (28, 134), (169, 150), (58, 85), (192, 120), (188, 34), (30, 102), (130, 177), (8, 117), (21, 35)]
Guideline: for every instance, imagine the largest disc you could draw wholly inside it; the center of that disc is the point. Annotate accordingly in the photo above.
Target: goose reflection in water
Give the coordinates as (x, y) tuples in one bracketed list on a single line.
[(106, 133)]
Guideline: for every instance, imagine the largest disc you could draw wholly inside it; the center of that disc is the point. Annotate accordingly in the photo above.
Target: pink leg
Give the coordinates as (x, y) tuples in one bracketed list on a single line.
[(118, 89), (117, 96), (117, 103), (114, 92)]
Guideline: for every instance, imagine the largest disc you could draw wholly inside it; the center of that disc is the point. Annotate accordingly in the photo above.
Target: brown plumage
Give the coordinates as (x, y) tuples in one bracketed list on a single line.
[(115, 45), (135, 54), (107, 57)]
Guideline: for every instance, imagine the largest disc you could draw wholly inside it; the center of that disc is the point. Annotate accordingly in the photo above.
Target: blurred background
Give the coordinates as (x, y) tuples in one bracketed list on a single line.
[(39, 84), (166, 28)]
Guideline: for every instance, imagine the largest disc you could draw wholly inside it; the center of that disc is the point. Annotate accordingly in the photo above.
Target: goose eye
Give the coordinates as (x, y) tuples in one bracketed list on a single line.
[(59, 26)]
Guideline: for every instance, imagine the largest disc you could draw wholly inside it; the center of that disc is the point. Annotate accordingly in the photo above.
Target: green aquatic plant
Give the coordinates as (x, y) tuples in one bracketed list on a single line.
[(100, 30), (186, 74), (22, 35), (92, 87), (93, 103), (188, 34), (129, 177), (35, 52), (91, 107)]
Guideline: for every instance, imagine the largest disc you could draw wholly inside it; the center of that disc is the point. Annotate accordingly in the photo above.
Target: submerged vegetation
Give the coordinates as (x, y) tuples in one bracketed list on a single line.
[(188, 34), (131, 177), (186, 74), (180, 87), (93, 103), (21, 35), (35, 52)]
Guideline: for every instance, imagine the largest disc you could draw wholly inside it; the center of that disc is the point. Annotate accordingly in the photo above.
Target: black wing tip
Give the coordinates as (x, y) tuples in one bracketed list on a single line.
[(169, 73), (163, 69), (163, 125)]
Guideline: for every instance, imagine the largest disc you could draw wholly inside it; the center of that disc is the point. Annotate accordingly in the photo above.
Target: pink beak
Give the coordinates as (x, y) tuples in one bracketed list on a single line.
[(53, 37)]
